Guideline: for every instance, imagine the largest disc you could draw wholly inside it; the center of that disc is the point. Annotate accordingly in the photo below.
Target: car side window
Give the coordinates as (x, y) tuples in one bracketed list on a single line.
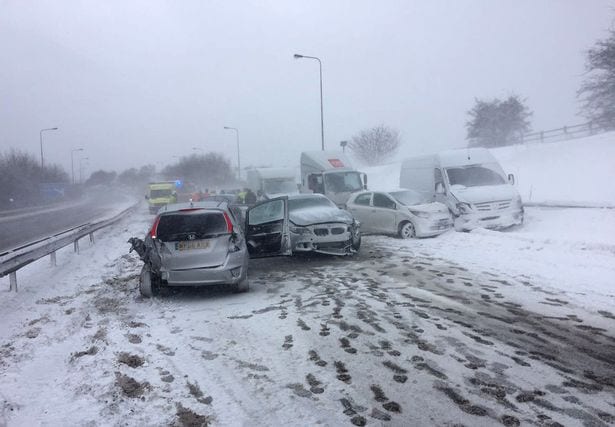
[(363, 199), (383, 201), (267, 212)]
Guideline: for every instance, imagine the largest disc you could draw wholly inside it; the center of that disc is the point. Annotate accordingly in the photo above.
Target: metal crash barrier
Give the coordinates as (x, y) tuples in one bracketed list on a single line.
[(13, 260)]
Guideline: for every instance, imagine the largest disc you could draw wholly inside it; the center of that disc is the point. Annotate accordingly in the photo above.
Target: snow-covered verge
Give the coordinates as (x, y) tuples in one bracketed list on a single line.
[(569, 251), (398, 334), (578, 172)]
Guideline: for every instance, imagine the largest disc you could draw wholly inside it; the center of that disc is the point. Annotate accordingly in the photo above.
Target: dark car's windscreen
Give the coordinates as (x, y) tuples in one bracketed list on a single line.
[(190, 226), (473, 176), (309, 202)]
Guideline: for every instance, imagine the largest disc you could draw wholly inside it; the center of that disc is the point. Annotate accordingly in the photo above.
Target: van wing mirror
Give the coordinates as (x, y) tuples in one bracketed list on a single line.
[(511, 179), (440, 188), (364, 181)]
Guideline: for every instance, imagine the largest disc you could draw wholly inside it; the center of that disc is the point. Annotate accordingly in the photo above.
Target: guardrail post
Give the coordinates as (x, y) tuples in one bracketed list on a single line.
[(53, 259), (92, 238), (76, 246), (13, 281)]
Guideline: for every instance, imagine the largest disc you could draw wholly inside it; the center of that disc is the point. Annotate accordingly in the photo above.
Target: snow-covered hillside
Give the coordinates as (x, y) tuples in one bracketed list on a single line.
[(575, 172)]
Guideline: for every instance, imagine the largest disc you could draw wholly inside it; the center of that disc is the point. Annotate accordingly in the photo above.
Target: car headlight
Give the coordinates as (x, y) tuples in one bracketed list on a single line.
[(300, 230), (464, 207), (420, 214)]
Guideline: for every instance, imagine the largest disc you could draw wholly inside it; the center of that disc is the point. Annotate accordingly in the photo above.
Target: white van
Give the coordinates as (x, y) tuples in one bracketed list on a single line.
[(471, 183), (330, 173), (269, 183)]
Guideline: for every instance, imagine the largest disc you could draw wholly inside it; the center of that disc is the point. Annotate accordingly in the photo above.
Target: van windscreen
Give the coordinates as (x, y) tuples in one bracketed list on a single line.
[(473, 176), (160, 193)]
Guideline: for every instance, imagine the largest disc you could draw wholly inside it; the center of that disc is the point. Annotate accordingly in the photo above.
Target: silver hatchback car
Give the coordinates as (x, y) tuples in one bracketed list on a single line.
[(193, 244), (406, 213)]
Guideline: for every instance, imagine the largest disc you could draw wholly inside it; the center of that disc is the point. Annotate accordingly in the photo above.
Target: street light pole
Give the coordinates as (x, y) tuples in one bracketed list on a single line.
[(81, 168), (72, 167), (322, 126), (41, 139), (238, 163)]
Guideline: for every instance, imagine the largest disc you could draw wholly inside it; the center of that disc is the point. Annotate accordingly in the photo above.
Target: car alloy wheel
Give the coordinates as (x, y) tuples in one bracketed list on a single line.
[(407, 231)]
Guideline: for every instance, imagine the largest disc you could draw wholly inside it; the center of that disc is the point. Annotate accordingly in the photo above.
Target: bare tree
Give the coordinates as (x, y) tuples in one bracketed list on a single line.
[(597, 93), (375, 145), (205, 170)]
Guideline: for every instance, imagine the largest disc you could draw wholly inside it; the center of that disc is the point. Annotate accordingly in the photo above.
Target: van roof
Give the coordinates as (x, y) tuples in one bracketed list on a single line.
[(448, 158), (465, 156), (161, 185)]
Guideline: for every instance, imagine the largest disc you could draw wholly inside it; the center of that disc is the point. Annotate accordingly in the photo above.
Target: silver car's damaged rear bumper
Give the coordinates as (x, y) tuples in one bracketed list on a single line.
[(234, 270)]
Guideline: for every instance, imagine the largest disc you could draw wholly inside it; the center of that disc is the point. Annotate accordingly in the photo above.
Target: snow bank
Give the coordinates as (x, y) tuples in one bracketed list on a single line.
[(577, 172)]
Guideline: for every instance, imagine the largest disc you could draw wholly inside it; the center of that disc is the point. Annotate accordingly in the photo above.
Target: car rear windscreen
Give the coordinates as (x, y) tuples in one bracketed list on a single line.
[(191, 226)]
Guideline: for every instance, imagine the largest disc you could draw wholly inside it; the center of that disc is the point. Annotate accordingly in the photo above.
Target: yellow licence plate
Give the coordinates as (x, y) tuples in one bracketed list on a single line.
[(192, 244)]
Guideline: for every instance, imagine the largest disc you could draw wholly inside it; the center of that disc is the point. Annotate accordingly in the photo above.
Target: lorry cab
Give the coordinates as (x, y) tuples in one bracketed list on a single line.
[(330, 173)]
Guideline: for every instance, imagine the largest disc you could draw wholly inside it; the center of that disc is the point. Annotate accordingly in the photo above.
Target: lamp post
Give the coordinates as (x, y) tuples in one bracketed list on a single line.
[(81, 168), (41, 139), (322, 126), (72, 162), (238, 163)]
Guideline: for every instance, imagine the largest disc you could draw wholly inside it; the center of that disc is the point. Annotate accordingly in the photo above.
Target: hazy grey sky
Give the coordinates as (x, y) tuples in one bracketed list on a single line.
[(136, 82)]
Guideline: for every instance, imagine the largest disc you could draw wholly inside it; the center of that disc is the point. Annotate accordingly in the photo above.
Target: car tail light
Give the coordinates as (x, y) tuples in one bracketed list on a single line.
[(154, 229), (229, 224)]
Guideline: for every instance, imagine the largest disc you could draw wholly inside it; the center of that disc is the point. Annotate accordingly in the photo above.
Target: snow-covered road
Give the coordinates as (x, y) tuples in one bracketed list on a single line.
[(469, 328)]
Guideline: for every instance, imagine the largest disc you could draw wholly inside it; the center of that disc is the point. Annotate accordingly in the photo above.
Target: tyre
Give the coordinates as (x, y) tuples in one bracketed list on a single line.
[(406, 230), (242, 286), (356, 242), (148, 284)]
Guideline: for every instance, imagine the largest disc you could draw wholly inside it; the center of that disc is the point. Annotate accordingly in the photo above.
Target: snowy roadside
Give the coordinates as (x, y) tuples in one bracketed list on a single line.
[(419, 331), (567, 251)]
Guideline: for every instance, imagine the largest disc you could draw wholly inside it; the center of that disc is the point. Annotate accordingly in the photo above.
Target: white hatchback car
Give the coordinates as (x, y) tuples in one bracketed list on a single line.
[(406, 213)]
